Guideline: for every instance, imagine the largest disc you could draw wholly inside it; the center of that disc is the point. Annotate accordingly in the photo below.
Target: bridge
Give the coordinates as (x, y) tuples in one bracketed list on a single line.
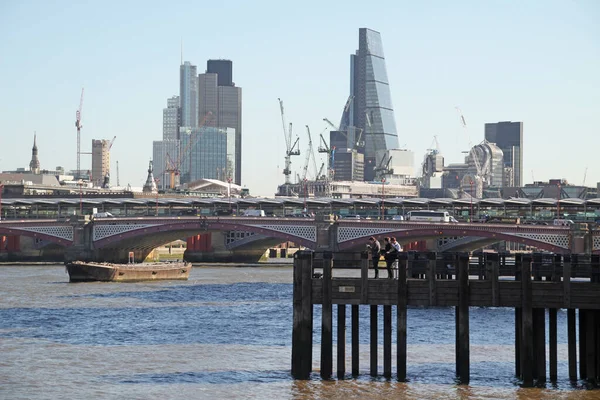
[(111, 239)]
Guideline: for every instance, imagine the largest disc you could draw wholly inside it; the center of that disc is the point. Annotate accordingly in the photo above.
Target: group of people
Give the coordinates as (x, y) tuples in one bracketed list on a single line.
[(389, 252)]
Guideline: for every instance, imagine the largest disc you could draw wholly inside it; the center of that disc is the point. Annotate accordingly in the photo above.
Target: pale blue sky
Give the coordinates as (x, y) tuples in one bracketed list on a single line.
[(531, 61)]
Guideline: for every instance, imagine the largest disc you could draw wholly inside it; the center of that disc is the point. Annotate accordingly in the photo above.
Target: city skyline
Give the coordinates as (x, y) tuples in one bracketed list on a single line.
[(541, 72)]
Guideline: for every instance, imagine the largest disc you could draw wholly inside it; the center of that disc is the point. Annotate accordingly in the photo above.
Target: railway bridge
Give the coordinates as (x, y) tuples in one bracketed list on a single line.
[(112, 239)]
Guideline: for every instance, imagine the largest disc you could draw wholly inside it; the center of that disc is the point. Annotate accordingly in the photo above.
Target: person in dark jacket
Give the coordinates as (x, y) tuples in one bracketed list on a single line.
[(386, 252), (375, 248)]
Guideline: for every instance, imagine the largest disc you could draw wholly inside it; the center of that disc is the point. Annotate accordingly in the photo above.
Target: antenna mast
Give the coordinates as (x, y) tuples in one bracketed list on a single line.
[(79, 126)]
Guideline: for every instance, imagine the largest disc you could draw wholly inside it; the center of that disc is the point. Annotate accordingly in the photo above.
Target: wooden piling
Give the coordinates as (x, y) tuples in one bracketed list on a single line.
[(572, 343), (373, 339), (582, 344), (463, 319), (364, 277), (401, 317), (302, 330), (590, 355), (387, 341), (539, 330), (327, 319), (355, 340), (527, 351), (553, 339), (431, 263), (341, 341)]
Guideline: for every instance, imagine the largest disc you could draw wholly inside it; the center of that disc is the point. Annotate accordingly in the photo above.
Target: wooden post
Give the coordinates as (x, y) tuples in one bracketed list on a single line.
[(373, 338), (302, 330), (553, 337), (401, 317), (355, 339), (364, 277), (463, 319), (431, 262), (572, 343), (567, 281), (527, 352), (539, 330), (492, 273), (518, 316), (590, 355), (582, 344), (387, 341), (341, 341), (327, 319)]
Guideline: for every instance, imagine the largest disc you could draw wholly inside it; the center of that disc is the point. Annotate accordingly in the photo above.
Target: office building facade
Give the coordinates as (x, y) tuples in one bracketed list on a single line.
[(369, 106), (508, 136), (188, 94), (208, 153), (100, 161), (220, 105), (171, 119), (165, 157)]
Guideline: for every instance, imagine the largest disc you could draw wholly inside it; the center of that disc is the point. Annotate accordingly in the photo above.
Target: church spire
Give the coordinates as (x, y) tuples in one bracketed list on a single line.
[(34, 165)]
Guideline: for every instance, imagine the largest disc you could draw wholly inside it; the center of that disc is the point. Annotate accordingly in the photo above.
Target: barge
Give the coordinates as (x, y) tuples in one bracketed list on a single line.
[(81, 271)]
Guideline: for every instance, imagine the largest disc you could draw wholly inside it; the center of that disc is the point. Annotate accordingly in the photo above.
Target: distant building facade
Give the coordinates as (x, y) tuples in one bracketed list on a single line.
[(369, 106), (209, 154), (508, 136), (100, 161), (220, 105), (171, 119), (188, 94), (165, 156)]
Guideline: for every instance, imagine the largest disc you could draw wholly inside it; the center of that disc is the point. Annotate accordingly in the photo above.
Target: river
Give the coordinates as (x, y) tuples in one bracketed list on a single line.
[(226, 334)]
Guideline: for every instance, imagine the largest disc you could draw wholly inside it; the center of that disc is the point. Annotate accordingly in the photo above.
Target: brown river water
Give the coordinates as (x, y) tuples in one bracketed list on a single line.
[(226, 334)]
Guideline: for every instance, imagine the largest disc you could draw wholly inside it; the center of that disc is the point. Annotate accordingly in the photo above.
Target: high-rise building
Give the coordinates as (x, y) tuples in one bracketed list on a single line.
[(188, 94), (171, 119), (220, 102), (508, 136), (208, 153), (369, 106), (100, 161), (223, 69)]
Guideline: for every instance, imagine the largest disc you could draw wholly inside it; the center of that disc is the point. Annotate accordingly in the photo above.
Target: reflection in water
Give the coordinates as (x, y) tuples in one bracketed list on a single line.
[(225, 333)]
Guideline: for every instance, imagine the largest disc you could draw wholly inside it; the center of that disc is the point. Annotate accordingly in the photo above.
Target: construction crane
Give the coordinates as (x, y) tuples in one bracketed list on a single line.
[(111, 143), (382, 167), (79, 126), (356, 141), (174, 167), (310, 153), (584, 176), (118, 183), (290, 149)]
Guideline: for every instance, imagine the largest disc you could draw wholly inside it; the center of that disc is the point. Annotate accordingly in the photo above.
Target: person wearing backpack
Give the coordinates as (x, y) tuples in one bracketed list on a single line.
[(392, 256)]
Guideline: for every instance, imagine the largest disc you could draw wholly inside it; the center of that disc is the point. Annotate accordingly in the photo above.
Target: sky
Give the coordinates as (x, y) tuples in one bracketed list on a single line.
[(498, 60)]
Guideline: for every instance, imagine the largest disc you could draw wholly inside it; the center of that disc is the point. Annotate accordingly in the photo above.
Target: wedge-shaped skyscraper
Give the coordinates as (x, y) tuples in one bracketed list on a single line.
[(369, 106)]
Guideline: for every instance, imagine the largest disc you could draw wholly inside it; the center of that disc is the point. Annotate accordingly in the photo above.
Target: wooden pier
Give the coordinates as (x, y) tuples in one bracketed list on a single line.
[(529, 283)]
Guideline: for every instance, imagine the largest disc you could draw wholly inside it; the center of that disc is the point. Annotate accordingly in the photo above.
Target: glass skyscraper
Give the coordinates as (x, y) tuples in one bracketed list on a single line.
[(509, 137), (188, 94), (207, 153), (369, 106)]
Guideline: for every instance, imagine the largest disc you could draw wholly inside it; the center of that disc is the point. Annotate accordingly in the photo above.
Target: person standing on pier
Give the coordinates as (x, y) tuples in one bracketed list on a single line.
[(375, 248), (391, 255)]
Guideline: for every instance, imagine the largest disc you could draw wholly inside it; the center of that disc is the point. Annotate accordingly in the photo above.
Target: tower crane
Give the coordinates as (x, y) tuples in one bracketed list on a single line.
[(174, 167), (310, 153), (118, 183), (382, 167), (357, 142), (111, 143), (290, 149), (79, 126)]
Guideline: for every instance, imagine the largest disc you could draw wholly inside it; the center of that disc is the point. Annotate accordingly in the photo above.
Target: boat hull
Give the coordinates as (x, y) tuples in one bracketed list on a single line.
[(98, 272)]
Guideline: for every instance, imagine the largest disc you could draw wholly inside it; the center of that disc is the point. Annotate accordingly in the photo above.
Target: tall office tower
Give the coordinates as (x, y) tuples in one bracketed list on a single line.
[(171, 119), (210, 153), (509, 137), (165, 158), (188, 94), (100, 161), (224, 70), (221, 105), (34, 164), (369, 106)]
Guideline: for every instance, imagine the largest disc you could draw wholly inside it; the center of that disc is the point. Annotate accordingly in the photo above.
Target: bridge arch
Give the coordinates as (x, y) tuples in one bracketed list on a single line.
[(60, 235)]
